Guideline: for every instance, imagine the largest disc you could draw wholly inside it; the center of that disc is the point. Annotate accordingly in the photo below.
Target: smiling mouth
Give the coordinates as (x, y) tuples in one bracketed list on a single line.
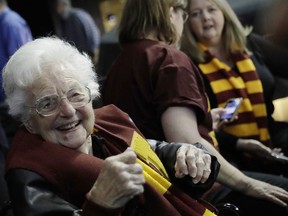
[(68, 126), (208, 27)]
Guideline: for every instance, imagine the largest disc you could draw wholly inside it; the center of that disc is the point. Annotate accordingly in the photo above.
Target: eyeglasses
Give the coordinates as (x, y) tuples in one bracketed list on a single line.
[(185, 15), (50, 104)]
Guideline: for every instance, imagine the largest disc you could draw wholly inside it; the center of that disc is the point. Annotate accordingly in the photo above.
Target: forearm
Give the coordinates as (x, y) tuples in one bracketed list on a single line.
[(180, 125), (228, 175)]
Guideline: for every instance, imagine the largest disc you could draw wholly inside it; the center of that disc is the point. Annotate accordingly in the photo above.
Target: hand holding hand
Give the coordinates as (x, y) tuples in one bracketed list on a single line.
[(119, 181), (194, 162)]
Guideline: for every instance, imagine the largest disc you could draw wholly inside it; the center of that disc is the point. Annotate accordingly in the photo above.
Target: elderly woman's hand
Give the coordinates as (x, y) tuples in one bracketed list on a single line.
[(266, 191), (119, 181), (194, 162)]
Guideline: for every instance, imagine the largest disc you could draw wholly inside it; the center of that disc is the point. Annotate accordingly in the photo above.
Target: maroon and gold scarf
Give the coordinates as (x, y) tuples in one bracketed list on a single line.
[(226, 84)]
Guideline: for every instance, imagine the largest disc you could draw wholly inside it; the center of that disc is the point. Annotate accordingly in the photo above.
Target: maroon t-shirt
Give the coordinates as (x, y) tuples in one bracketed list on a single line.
[(147, 78)]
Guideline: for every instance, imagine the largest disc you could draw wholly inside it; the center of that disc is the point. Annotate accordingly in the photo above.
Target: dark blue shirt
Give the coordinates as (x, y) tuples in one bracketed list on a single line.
[(14, 32)]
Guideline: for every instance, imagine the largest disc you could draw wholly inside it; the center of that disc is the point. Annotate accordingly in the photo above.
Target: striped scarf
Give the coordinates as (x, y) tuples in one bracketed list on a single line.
[(226, 84)]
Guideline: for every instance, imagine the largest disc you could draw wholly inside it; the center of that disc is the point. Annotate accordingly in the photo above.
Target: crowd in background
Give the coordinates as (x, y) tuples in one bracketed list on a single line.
[(79, 28)]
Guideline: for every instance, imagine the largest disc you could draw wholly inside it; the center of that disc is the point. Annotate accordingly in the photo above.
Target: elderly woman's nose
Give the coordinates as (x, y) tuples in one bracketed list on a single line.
[(66, 108)]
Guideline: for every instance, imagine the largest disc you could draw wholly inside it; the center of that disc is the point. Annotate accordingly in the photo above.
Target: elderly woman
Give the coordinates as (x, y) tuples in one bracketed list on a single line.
[(163, 92), (56, 163)]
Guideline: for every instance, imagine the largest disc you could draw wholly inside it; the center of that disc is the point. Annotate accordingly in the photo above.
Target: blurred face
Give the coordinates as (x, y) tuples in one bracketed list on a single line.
[(69, 124), (63, 9), (206, 21), (178, 17)]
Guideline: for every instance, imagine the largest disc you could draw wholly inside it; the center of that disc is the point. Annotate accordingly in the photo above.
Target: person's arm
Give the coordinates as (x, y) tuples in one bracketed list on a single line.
[(180, 125)]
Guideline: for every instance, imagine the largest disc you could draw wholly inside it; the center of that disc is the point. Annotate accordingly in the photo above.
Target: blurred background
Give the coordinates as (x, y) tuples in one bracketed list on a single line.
[(263, 15), (108, 12)]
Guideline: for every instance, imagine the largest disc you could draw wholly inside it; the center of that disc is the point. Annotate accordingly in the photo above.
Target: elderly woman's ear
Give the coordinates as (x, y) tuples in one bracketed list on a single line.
[(29, 127)]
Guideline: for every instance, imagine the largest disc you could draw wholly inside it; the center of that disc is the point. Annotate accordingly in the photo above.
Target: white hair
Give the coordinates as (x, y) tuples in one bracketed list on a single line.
[(39, 57)]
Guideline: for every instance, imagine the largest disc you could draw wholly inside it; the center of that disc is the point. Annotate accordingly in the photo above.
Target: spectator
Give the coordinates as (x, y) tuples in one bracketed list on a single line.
[(241, 64), (14, 33), (67, 162), (162, 91), (77, 27)]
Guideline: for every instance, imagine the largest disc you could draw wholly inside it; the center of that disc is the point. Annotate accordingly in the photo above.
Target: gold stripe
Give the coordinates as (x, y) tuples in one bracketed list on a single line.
[(259, 110), (154, 179), (213, 66), (222, 85), (208, 213), (243, 130), (213, 137), (254, 87), (264, 134), (245, 106), (245, 65)]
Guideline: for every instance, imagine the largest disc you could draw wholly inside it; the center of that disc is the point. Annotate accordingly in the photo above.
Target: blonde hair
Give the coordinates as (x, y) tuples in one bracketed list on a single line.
[(141, 17), (234, 33)]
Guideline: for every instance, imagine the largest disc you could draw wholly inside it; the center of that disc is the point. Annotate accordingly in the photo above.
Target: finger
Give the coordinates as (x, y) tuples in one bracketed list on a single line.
[(278, 150), (128, 156), (281, 193), (200, 170), (134, 168), (207, 168), (178, 173), (205, 176), (221, 123), (133, 189), (127, 195), (137, 179), (191, 162), (275, 200), (180, 160)]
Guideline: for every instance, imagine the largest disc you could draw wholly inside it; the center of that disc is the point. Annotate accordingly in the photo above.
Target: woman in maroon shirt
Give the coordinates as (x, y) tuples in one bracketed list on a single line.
[(159, 87)]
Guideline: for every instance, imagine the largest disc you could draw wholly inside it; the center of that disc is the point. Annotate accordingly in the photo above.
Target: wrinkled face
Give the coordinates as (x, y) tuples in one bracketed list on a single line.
[(70, 125), (206, 21)]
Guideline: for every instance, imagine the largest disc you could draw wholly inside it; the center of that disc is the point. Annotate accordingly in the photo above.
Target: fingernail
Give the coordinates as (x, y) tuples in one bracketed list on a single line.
[(195, 181)]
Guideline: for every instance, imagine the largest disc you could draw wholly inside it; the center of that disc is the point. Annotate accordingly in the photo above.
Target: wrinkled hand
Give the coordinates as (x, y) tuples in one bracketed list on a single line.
[(215, 114), (253, 147), (267, 191), (119, 181), (194, 162)]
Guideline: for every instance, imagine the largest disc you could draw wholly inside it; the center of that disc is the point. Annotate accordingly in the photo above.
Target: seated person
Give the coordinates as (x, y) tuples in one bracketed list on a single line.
[(72, 160), (237, 63), (162, 90)]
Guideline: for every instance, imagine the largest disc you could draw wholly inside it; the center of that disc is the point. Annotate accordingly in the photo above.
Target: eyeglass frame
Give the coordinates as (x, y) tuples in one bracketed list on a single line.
[(59, 101), (185, 14)]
